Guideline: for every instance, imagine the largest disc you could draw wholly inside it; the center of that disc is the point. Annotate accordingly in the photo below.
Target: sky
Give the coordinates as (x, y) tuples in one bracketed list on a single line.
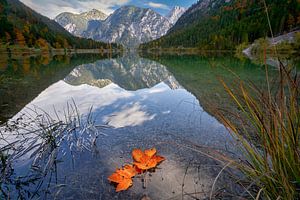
[(52, 8)]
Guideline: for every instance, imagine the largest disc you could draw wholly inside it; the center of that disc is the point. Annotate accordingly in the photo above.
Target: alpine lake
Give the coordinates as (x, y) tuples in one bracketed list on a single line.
[(69, 121)]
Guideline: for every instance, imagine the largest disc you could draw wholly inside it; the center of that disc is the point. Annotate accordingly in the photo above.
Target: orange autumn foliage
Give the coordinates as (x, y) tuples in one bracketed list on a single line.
[(123, 177), (143, 161), (146, 160)]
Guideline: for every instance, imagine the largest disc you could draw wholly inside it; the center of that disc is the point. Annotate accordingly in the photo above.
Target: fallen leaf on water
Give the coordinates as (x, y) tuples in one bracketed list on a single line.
[(137, 154), (146, 160), (123, 177), (128, 171), (143, 160), (124, 185), (150, 152)]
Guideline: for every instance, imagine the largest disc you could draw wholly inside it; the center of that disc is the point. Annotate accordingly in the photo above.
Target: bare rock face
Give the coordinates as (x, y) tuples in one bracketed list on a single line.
[(78, 23), (175, 14), (128, 25)]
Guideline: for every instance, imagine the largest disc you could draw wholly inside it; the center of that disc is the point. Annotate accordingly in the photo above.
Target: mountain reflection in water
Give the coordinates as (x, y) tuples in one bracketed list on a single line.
[(141, 105)]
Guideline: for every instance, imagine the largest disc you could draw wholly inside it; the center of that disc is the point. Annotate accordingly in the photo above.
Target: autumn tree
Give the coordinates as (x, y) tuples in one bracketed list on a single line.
[(20, 39), (26, 28), (41, 43)]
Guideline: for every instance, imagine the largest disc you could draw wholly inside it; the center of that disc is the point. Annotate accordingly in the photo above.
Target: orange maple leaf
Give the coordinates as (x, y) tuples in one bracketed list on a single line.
[(146, 160), (123, 177)]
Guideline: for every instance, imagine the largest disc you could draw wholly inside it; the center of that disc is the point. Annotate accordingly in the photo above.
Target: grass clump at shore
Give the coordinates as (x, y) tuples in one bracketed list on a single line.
[(44, 140), (272, 156)]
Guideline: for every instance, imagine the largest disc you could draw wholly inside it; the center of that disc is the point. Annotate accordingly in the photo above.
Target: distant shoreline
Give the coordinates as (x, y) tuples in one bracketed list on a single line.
[(18, 50), (183, 51)]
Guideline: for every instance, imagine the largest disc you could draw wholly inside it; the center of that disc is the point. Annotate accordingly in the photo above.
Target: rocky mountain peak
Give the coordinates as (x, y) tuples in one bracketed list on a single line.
[(175, 14), (94, 14), (78, 23), (128, 25)]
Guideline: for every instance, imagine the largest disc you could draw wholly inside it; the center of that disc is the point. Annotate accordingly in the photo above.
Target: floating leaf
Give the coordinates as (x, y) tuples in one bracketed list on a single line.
[(123, 177), (128, 171), (138, 170), (143, 160), (158, 159), (150, 152), (137, 154), (116, 178), (124, 185), (146, 160)]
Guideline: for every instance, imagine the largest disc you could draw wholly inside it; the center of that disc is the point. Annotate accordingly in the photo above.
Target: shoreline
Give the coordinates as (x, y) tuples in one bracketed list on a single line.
[(18, 50), (182, 51)]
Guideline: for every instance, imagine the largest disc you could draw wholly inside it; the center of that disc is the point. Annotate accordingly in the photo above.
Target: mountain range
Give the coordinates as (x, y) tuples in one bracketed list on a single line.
[(208, 24), (128, 25)]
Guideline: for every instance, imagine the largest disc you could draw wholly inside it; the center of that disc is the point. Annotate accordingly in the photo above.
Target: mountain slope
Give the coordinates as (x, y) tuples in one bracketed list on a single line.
[(223, 24), (175, 14), (129, 26), (78, 23), (22, 26)]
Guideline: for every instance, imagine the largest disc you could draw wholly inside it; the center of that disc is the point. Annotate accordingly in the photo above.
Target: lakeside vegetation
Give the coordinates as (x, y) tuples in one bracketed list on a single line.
[(265, 46), (261, 112), (273, 157), (52, 140)]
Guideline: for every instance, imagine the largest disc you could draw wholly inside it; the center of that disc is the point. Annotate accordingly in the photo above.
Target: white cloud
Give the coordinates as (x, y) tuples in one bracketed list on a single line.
[(158, 5), (51, 8)]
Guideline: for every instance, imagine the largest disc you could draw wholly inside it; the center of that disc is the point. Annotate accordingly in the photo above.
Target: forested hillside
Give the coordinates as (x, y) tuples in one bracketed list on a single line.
[(19, 25), (223, 24)]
